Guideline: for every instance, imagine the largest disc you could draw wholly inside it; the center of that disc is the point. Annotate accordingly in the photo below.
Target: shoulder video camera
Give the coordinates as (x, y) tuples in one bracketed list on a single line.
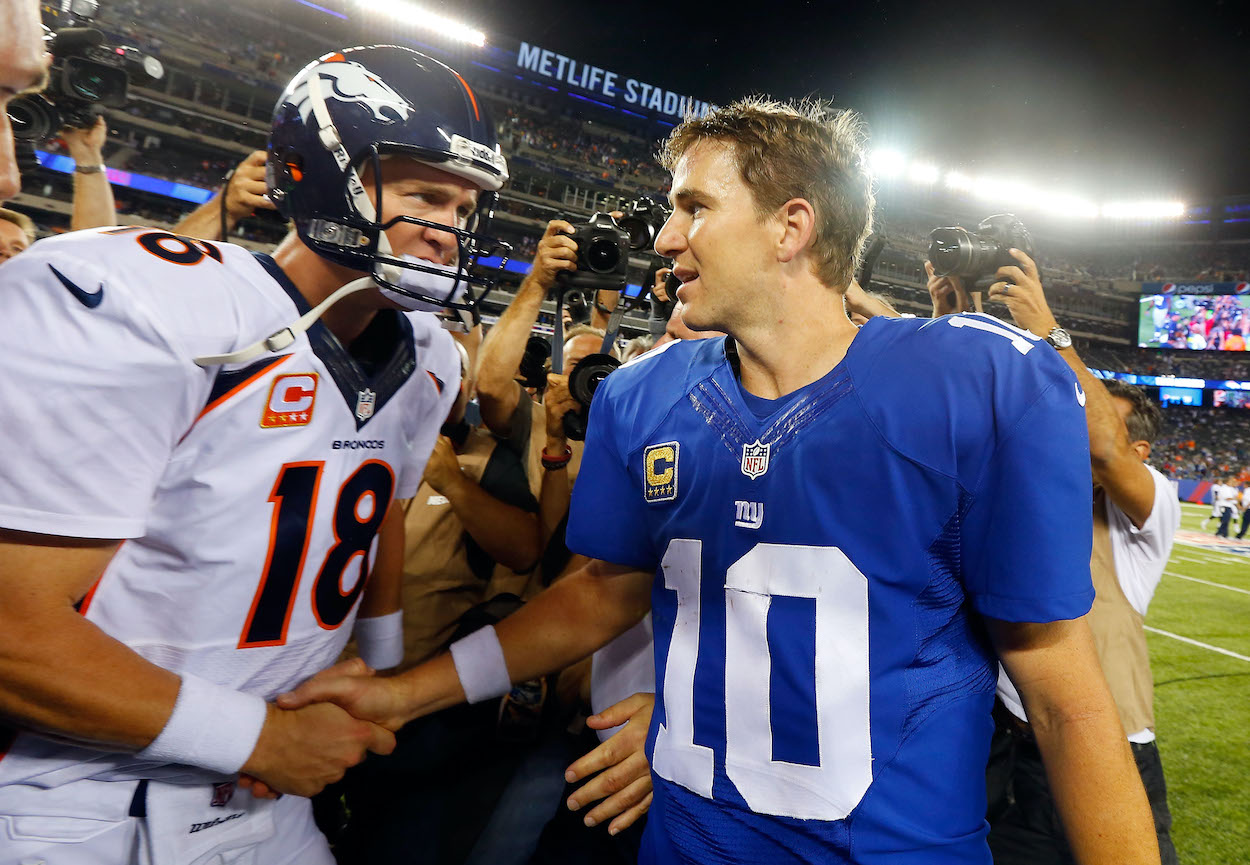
[(974, 255), (86, 76)]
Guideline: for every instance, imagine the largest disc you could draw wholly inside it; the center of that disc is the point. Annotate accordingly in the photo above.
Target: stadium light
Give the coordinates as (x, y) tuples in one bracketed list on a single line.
[(409, 13), (1063, 204), (1010, 192), (958, 181), (923, 173), (1144, 210), (887, 163)]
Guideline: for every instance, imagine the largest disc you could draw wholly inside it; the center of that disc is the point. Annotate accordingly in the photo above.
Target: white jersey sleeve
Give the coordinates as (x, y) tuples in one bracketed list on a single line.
[(95, 396), (439, 359), (1142, 554)]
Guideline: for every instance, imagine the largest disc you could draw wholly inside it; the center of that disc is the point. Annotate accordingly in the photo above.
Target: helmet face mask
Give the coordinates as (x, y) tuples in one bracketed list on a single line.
[(349, 110)]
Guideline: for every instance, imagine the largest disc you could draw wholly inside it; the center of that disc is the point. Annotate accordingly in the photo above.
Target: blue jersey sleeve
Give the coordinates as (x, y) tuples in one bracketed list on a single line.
[(1026, 535), (607, 520)]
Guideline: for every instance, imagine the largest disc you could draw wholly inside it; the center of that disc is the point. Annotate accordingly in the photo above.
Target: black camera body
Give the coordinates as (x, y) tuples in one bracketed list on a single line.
[(602, 255), (584, 380), (535, 363), (86, 76), (976, 255), (603, 248), (642, 220)]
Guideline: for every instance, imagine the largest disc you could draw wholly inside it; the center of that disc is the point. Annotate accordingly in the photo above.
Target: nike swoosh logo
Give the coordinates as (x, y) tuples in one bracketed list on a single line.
[(1080, 394), (89, 299)]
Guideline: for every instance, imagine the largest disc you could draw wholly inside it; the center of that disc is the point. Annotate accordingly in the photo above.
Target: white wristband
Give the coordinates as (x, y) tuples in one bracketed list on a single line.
[(380, 640), (212, 726), (481, 666)]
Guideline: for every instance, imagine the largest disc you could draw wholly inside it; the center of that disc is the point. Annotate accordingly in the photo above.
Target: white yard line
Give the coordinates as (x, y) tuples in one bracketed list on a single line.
[(1198, 644), (1207, 582), (1194, 548)]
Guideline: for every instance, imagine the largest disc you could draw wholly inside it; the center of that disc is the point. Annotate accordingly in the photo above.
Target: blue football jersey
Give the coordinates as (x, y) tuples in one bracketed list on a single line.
[(824, 680)]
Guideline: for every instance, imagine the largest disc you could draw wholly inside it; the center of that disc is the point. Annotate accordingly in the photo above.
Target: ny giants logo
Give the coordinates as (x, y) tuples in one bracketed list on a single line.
[(352, 83), (749, 515)]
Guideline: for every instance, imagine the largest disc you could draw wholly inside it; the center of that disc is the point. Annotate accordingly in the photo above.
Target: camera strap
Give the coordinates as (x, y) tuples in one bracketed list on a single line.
[(614, 326), (557, 335), (609, 336)]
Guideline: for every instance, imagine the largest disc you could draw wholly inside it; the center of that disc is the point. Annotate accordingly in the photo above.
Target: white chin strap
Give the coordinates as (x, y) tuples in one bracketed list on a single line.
[(430, 284)]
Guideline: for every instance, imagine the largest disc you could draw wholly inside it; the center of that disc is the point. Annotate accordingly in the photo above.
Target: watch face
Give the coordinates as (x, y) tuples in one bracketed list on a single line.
[(1059, 338)]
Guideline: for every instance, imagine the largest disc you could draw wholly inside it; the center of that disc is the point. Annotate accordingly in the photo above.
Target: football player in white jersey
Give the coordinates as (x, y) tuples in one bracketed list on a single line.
[(201, 447)]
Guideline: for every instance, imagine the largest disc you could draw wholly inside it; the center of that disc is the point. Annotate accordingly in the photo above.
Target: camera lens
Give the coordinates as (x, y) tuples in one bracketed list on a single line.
[(638, 230), (603, 255), (949, 250), (590, 371), (32, 118)]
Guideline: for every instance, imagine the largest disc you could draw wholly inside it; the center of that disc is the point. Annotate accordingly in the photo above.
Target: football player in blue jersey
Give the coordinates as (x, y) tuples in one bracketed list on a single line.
[(823, 692)]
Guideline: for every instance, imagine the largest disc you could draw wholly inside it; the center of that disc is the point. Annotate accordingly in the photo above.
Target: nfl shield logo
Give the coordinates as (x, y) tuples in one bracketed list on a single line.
[(222, 793), (755, 459), (365, 401)]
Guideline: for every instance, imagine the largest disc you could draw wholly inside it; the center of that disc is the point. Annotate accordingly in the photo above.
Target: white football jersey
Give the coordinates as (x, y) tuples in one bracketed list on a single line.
[(249, 495)]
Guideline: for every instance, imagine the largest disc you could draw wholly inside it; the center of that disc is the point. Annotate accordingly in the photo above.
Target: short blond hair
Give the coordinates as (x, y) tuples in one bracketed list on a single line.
[(787, 150), (21, 220)]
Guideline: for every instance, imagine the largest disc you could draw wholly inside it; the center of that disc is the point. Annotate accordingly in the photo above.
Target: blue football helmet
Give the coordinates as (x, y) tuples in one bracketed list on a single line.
[(350, 108)]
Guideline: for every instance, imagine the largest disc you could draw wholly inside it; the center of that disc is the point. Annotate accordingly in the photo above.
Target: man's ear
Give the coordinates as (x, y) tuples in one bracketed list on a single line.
[(1143, 449), (797, 220)]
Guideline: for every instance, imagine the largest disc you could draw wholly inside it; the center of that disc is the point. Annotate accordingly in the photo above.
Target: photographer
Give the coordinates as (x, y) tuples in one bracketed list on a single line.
[(625, 666), (1136, 515), (243, 194), (498, 391)]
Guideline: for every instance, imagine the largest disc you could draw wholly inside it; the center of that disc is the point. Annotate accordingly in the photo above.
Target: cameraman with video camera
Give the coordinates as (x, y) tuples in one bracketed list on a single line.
[(84, 76), (1135, 519)]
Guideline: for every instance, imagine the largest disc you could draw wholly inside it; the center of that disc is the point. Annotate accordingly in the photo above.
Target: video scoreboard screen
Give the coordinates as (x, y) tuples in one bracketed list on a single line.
[(1197, 317), (1231, 398)]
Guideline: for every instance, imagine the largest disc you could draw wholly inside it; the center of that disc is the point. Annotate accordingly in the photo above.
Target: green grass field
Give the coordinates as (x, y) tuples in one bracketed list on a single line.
[(1202, 697)]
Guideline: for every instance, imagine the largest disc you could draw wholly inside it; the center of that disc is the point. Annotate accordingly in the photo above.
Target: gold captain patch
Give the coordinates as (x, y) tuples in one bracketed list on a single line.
[(659, 469)]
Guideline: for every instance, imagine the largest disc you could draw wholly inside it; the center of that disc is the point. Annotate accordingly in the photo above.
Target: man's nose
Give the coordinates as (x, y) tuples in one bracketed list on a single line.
[(670, 241)]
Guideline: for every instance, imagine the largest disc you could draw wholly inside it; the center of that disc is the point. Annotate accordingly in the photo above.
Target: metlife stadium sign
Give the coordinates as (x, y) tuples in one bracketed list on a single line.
[(604, 84)]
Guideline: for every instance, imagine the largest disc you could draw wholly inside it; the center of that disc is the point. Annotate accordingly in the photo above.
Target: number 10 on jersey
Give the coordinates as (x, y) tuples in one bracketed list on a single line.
[(832, 788)]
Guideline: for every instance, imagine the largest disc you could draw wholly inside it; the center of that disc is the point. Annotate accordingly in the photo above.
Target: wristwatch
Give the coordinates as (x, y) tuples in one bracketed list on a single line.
[(1059, 338), (90, 169)]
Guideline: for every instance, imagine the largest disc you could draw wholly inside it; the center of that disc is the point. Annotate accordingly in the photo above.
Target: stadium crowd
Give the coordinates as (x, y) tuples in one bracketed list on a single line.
[(1204, 444)]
